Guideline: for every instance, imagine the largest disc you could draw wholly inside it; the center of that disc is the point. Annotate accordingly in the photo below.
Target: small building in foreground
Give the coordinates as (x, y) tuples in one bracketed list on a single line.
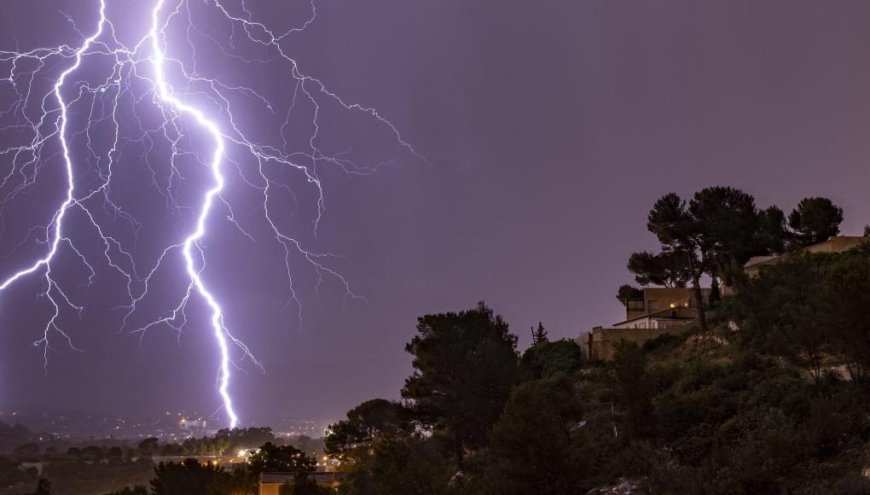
[(271, 483)]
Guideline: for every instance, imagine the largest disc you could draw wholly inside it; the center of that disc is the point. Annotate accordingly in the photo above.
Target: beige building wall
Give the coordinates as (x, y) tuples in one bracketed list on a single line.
[(601, 343), (270, 489), (836, 244), (271, 483), (668, 318), (753, 267), (658, 299), (662, 298)]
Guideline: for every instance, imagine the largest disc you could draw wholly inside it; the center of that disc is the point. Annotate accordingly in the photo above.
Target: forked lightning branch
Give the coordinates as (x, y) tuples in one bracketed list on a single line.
[(161, 72)]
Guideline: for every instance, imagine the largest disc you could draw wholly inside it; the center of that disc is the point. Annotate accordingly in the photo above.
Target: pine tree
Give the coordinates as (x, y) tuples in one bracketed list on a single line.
[(539, 334)]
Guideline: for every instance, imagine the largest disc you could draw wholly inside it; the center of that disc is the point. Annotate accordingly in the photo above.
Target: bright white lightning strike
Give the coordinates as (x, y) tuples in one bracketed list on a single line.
[(57, 220), (190, 243), (93, 198)]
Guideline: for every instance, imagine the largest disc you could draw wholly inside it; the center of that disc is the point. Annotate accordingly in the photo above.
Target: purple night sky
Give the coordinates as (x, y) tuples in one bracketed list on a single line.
[(550, 128)]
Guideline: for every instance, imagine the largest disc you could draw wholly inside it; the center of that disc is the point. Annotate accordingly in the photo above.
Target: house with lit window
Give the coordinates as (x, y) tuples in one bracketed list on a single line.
[(655, 311)]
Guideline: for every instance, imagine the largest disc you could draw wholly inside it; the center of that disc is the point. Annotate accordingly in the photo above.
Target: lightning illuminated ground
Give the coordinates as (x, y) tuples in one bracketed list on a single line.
[(106, 93)]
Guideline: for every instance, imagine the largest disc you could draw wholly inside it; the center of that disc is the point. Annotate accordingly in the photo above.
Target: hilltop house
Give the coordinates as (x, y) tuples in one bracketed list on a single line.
[(657, 311), (661, 311)]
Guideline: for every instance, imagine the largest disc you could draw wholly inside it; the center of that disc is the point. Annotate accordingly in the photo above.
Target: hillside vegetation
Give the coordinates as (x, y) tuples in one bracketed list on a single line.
[(767, 394)]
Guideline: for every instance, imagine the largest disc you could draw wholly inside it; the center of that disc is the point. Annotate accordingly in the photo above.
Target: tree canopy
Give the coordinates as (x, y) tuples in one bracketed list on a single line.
[(721, 227), (814, 220), (464, 367), (366, 422), (532, 441), (190, 478), (271, 458), (546, 359)]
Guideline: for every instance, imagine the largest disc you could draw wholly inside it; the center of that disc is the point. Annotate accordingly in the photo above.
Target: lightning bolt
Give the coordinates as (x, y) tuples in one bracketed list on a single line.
[(191, 242), (184, 99)]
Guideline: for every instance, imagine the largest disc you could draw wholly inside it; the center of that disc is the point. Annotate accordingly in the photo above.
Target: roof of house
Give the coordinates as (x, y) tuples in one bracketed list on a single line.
[(838, 243), (660, 315), (760, 260), (282, 478)]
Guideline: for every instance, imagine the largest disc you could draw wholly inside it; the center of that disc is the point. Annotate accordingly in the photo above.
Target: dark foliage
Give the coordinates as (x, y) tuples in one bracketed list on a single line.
[(272, 458), (548, 358), (131, 490), (815, 220), (373, 419), (635, 388), (190, 477), (533, 447), (464, 367), (627, 293)]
